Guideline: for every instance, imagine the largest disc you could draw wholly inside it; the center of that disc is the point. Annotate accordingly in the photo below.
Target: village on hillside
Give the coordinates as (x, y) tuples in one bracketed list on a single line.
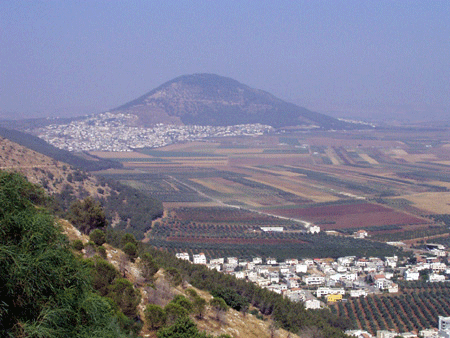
[(320, 282)]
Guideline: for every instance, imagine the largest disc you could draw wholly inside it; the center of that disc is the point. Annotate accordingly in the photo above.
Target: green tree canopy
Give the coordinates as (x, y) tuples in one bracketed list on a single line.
[(45, 290), (155, 316), (98, 237), (87, 215), (148, 266)]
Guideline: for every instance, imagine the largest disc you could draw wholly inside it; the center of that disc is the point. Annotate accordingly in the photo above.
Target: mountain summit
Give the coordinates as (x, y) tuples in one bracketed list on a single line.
[(208, 99)]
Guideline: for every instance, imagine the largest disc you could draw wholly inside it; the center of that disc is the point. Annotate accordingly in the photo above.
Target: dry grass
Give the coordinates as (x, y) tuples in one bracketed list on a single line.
[(432, 202), (368, 159), (216, 184), (332, 156)]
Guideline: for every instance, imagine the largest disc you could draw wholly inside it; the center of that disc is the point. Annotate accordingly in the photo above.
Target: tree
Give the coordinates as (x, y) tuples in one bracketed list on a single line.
[(175, 311), (125, 296), (98, 237), (174, 276), (182, 328), (45, 289), (155, 316), (87, 215), (199, 307), (130, 250), (103, 275), (182, 301), (78, 245), (148, 266), (219, 306)]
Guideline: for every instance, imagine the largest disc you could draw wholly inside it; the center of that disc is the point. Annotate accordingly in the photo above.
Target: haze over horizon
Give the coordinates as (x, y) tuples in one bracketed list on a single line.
[(372, 59)]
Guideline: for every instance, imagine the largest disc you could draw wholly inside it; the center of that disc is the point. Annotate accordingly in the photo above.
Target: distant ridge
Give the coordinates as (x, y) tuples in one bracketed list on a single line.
[(208, 99)]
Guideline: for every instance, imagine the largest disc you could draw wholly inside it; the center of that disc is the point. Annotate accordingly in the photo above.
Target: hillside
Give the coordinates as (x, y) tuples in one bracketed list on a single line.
[(125, 207), (208, 99), (53, 175), (289, 315), (29, 141), (234, 323)]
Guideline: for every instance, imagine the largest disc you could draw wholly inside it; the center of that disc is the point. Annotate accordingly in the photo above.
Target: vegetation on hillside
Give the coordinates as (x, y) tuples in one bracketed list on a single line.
[(46, 289)]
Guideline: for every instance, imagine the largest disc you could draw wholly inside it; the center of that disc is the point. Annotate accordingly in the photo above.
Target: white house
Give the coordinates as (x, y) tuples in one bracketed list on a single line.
[(239, 274), (232, 260), (292, 283), (291, 261), (271, 261), (252, 276), (314, 280), (438, 267), (200, 258), (314, 229), (217, 267), (329, 291), (274, 277), (360, 234), (411, 275), (217, 261), (295, 294), (182, 255), (257, 260), (434, 277), (272, 229), (285, 271), (312, 304), (358, 293), (301, 268)]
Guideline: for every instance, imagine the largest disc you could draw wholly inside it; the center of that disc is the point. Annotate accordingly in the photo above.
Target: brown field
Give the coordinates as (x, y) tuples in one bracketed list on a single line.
[(434, 203), (361, 215), (253, 172), (218, 184)]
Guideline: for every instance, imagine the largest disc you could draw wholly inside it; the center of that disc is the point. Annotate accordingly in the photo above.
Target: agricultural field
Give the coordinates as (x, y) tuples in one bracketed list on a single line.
[(388, 182), (416, 308), (359, 215)]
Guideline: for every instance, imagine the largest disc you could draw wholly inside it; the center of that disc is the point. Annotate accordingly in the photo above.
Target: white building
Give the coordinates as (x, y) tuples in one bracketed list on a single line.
[(360, 234), (358, 293), (329, 291), (271, 261), (301, 268), (314, 229), (274, 277), (411, 275), (182, 255), (434, 277), (200, 258), (217, 261), (314, 280), (312, 304), (291, 261), (444, 323), (232, 261), (257, 260), (272, 229)]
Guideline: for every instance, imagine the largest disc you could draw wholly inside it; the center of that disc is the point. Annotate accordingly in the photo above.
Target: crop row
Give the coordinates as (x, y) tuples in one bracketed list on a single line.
[(406, 312)]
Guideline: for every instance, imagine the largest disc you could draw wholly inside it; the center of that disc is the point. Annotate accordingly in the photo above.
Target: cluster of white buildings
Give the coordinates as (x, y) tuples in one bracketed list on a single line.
[(316, 281), (120, 132)]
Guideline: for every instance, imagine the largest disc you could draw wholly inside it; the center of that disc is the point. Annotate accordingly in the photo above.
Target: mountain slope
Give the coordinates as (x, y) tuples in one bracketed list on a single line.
[(208, 99)]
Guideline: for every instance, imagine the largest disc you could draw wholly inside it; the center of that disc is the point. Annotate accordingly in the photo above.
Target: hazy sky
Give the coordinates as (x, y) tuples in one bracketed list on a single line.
[(350, 57)]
